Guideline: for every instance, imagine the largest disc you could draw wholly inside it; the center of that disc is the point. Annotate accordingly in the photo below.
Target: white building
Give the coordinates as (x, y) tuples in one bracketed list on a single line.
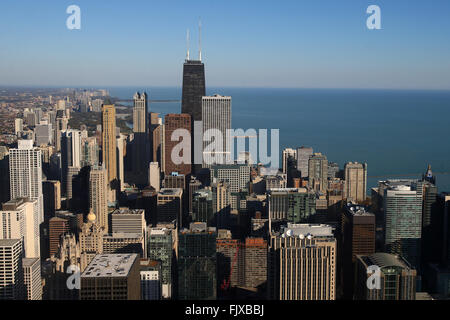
[(32, 278), (11, 277), (25, 174), (154, 176), (216, 114)]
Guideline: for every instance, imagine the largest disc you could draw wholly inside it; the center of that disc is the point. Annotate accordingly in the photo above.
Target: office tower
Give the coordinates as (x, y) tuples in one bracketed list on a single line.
[(25, 174), (89, 152), (124, 243), (303, 154), (197, 268), (109, 148), (221, 203), (398, 278), (333, 170), (355, 181), (154, 175), (11, 277), (302, 263), (150, 271), (174, 122), (61, 125), (141, 143), (237, 175), (111, 277), (174, 180), (160, 248), (98, 201), (52, 197), (430, 194), (70, 154), (290, 205), (91, 241), (72, 173), (358, 238), (32, 278), (170, 207), (241, 264), (194, 185), (276, 181), (4, 174), (18, 126), (43, 134), (193, 88), (318, 172), (288, 154), (402, 203), (126, 220), (202, 208), (20, 220), (57, 228), (156, 135), (216, 114), (121, 152)]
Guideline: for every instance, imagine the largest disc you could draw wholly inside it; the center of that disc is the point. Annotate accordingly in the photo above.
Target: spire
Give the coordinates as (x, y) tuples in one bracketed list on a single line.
[(200, 40), (187, 44)]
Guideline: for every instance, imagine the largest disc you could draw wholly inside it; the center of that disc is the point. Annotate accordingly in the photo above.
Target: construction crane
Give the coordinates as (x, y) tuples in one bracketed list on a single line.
[(226, 283)]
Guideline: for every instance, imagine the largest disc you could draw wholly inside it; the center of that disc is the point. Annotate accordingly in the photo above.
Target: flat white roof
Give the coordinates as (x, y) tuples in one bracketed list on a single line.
[(110, 265)]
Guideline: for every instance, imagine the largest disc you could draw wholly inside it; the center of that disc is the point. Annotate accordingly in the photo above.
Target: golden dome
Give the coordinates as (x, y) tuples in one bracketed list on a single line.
[(91, 217)]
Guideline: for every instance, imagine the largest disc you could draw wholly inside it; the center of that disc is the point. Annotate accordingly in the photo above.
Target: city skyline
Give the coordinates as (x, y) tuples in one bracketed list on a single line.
[(295, 45)]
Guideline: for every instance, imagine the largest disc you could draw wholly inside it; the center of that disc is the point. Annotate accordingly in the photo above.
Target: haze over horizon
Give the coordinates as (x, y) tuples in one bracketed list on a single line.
[(293, 44)]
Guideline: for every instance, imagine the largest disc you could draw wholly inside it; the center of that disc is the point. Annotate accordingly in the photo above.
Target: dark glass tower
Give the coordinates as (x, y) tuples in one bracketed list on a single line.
[(193, 88)]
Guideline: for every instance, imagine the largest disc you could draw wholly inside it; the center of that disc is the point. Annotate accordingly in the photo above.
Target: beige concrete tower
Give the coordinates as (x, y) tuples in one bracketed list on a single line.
[(98, 195), (355, 181), (109, 146)]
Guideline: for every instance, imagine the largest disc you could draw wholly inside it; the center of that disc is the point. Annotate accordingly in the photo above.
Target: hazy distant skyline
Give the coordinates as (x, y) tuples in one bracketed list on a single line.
[(303, 44)]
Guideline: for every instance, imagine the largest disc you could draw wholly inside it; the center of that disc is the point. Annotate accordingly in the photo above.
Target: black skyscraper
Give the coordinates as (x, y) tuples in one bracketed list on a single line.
[(193, 89)]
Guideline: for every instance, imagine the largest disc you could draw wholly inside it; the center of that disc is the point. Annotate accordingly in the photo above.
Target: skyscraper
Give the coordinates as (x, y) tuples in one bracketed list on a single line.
[(202, 208), (193, 88), (70, 154), (11, 277), (109, 147), (141, 140), (98, 195), (25, 174), (355, 181), (303, 154), (318, 172), (154, 175), (197, 263), (288, 153), (174, 122), (302, 263), (216, 114)]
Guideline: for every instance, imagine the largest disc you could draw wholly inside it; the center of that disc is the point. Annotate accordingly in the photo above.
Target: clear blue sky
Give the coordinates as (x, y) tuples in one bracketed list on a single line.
[(253, 43)]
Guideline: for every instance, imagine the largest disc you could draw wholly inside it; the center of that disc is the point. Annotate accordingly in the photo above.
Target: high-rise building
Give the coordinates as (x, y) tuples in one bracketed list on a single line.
[(172, 123), (141, 140), (111, 277), (221, 203), (202, 207), (197, 265), (302, 263), (121, 152), (126, 220), (109, 158), (32, 278), (57, 228), (18, 126), (170, 206), (357, 238), (70, 154), (98, 194), (303, 154), (4, 174), (43, 134), (216, 114), (174, 180), (397, 278), (402, 202), (160, 248), (25, 174), (290, 205), (11, 277), (193, 88), (355, 181), (318, 172), (52, 197), (288, 153), (124, 243), (156, 135), (154, 176), (19, 219), (150, 271)]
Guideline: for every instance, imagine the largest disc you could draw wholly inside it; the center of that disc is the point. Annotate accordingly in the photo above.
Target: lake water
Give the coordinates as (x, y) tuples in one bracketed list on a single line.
[(398, 133)]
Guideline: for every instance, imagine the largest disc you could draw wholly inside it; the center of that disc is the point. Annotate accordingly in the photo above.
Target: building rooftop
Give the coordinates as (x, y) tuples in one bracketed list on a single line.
[(28, 262), (358, 210), (128, 211), (8, 242), (382, 260), (303, 230), (170, 192), (110, 265)]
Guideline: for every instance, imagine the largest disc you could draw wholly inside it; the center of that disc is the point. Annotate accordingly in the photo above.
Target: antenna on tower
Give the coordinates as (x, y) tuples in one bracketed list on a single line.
[(200, 39), (187, 44)]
